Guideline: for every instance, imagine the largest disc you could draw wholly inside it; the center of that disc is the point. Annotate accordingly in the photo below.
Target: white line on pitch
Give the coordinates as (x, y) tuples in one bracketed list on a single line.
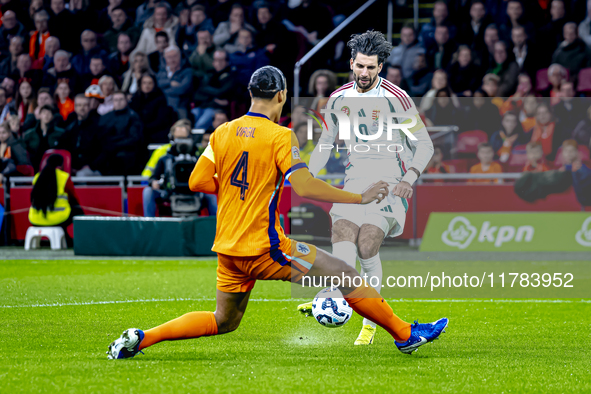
[(512, 301)]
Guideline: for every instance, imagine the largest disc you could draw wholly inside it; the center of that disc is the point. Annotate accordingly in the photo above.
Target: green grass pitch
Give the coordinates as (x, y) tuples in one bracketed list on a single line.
[(57, 318)]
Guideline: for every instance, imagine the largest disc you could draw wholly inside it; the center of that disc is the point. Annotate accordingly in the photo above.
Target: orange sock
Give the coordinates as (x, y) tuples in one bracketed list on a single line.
[(189, 325), (367, 302)]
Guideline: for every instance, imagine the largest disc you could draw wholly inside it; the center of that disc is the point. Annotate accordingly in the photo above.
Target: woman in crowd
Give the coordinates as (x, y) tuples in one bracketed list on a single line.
[(443, 112), (53, 198), (150, 104), (464, 75), (139, 67), (482, 114), (108, 87), (25, 100), (322, 84), (438, 82), (510, 134)]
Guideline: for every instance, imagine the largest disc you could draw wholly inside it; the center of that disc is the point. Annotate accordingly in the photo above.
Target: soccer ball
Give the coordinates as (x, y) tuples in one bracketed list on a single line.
[(330, 308)]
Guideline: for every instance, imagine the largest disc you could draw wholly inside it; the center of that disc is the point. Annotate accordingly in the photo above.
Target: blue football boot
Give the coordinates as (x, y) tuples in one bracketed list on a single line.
[(127, 345), (421, 334)]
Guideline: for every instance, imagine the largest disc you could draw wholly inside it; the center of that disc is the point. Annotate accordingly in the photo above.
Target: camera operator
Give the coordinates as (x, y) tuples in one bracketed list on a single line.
[(164, 182)]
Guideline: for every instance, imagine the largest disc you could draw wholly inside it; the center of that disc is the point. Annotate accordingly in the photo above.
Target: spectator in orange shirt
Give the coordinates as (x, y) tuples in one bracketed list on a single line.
[(535, 158), (486, 154)]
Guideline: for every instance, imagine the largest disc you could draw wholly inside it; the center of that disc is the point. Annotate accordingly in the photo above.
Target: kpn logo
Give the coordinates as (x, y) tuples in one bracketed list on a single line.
[(461, 233), (583, 236)]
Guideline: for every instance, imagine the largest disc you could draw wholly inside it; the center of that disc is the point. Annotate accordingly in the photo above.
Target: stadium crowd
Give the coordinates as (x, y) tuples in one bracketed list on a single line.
[(104, 79)]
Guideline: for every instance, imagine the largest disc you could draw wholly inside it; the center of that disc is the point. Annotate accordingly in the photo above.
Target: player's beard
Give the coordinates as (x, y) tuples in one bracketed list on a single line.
[(365, 84)]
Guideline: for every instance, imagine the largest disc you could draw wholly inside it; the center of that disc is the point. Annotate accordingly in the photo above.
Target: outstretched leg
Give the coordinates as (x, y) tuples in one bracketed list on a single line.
[(230, 308), (364, 300)]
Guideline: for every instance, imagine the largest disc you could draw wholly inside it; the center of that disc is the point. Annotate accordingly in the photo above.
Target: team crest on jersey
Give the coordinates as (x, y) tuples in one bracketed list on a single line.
[(375, 115), (295, 153), (302, 248), (346, 110)]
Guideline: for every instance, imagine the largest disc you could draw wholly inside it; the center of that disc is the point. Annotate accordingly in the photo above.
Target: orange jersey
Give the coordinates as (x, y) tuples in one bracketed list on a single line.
[(252, 157), (494, 168)]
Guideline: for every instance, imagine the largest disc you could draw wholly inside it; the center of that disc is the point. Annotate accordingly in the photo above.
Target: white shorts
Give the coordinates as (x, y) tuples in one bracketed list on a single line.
[(382, 222), (389, 215)]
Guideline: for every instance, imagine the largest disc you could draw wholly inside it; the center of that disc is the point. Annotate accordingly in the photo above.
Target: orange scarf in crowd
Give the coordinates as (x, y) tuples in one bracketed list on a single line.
[(35, 46), (544, 134), (7, 154), (507, 143), (528, 123), (510, 105), (65, 108)]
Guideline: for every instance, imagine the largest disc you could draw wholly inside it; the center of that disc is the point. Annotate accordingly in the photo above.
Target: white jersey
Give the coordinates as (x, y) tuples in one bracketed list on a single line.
[(376, 159)]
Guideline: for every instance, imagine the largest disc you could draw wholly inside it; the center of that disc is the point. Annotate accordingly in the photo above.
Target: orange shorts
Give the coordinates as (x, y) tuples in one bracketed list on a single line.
[(238, 274)]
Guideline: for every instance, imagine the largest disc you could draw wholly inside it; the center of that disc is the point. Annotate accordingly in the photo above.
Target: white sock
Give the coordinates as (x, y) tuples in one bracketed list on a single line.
[(346, 251), (372, 267)]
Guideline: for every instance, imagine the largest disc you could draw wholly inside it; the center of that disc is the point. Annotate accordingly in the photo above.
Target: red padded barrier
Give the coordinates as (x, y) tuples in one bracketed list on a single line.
[(445, 198), (103, 197), (134, 200)]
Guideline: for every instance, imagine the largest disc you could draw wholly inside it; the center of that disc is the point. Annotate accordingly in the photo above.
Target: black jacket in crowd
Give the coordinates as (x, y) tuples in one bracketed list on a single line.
[(121, 138), (155, 113)]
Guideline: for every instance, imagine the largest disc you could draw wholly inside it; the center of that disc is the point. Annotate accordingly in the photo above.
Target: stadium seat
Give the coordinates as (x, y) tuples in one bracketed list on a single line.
[(542, 82), (25, 170), (56, 236), (584, 85), (583, 152), (67, 167), (468, 141), (457, 165)]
